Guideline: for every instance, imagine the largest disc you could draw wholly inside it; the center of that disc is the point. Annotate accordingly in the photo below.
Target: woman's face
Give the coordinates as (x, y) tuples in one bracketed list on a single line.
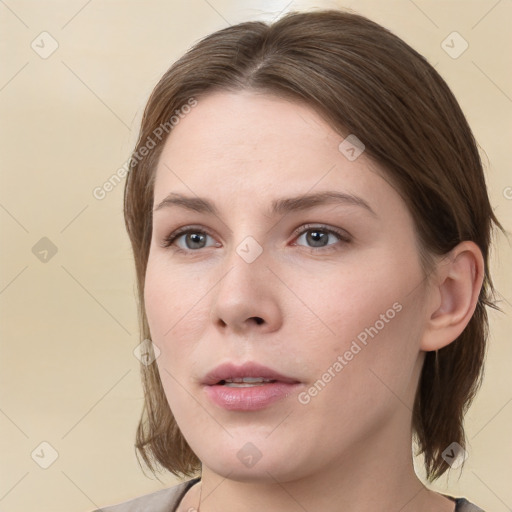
[(329, 294)]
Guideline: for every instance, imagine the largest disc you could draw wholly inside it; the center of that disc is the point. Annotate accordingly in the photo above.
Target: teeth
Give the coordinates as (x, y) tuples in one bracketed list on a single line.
[(245, 384), (240, 382), (248, 379)]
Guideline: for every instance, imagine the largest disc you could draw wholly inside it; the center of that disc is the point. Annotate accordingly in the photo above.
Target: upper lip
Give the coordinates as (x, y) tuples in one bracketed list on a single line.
[(250, 369)]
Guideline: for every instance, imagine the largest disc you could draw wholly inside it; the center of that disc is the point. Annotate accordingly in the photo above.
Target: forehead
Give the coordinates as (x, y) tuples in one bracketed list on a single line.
[(256, 146)]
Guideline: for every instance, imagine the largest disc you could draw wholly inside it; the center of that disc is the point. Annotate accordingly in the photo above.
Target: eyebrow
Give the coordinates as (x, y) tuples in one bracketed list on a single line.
[(278, 207)]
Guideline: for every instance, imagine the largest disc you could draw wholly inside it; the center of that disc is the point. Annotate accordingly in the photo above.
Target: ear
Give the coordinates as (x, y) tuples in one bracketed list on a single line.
[(453, 296)]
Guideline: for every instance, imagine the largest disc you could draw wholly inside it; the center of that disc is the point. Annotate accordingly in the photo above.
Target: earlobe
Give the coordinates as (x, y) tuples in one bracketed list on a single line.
[(459, 281)]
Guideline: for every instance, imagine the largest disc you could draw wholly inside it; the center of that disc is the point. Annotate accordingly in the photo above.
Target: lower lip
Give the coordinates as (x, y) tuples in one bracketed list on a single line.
[(249, 398)]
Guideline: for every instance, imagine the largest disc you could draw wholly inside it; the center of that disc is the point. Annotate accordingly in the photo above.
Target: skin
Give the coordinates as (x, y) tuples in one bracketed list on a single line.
[(349, 447)]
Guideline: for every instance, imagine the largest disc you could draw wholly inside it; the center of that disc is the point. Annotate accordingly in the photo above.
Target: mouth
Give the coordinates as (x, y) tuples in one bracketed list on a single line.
[(244, 382), (248, 387), (247, 374)]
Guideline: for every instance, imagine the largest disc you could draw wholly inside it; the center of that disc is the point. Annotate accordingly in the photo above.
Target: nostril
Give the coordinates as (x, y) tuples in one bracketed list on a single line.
[(258, 320)]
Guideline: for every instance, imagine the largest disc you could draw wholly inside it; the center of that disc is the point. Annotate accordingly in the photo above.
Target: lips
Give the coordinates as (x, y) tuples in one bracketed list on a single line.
[(251, 370), (249, 387)]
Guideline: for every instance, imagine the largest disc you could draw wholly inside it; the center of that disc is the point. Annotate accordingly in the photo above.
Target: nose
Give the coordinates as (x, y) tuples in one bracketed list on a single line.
[(247, 295)]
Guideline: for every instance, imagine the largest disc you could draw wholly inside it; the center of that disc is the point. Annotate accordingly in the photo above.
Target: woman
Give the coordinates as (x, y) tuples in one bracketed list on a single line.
[(311, 227)]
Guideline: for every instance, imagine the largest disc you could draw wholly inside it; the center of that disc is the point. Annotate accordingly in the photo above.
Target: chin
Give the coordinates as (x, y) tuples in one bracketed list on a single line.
[(250, 464)]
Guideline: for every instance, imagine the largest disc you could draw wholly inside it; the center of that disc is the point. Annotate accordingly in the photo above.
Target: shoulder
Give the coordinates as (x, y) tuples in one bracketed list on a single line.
[(463, 505), (160, 501)]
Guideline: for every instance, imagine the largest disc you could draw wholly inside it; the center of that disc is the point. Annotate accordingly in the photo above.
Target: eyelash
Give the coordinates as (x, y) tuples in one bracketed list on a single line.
[(342, 235)]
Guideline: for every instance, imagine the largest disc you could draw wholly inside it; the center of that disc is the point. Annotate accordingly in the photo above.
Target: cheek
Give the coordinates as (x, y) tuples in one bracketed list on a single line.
[(354, 303), (173, 320), (361, 339), (169, 298)]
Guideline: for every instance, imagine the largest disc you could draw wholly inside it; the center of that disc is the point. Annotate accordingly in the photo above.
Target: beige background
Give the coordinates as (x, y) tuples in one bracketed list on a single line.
[(69, 324)]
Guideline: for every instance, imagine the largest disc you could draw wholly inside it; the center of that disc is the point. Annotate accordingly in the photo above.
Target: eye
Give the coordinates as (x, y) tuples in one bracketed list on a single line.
[(319, 236), (194, 238)]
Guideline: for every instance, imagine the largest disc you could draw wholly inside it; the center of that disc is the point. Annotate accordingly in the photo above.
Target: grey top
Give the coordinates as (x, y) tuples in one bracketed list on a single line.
[(167, 500)]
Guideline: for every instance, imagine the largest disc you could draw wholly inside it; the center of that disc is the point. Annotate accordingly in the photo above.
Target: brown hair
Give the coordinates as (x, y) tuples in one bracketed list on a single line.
[(366, 81)]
